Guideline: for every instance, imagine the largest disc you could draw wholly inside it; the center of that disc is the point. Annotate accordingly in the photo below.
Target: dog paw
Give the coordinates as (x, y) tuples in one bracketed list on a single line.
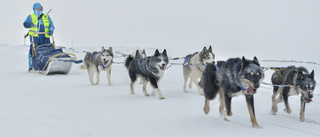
[(225, 119), (132, 92), (206, 110), (287, 110), (256, 126), (302, 119), (147, 94), (161, 98), (273, 113)]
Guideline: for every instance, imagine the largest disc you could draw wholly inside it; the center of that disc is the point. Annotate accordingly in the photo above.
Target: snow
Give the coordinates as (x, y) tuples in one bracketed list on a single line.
[(35, 105)]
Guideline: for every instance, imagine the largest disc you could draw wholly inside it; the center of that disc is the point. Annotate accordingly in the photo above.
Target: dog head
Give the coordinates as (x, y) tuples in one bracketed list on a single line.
[(306, 84), (106, 56), (139, 54), (160, 60), (207, 56), (251, 75)]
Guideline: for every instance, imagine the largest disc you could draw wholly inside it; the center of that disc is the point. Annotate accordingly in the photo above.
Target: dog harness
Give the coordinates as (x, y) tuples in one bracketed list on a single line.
[(103, 66), (187, 59), (140, 68)]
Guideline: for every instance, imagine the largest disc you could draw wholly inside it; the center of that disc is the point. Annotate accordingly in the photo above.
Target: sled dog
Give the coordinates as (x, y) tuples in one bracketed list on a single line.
[(139, 54), (230, 78), (98, 61), (302, 82), (150, 69), (194, 65)]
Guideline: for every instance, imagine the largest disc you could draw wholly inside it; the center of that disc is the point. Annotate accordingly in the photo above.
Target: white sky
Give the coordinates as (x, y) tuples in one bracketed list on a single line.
[(255, 27)]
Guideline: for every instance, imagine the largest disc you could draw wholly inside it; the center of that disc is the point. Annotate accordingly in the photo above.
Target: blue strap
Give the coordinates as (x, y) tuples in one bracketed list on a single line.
[(242, 88), (103, 66), (140, 67), (216, 65)]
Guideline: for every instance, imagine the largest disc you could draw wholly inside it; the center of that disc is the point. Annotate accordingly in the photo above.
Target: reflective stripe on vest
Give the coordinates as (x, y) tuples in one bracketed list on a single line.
[(46, 24)]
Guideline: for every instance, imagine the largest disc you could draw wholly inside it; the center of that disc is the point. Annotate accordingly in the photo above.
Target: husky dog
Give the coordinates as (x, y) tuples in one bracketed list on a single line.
[(99, 61), (150, 69), (194, 65), (302, 82), (229, 79), (139, 54), (142, 54)]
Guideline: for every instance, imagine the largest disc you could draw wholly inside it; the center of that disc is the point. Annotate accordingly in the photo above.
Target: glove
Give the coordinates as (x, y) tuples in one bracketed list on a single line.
[(50, 33)]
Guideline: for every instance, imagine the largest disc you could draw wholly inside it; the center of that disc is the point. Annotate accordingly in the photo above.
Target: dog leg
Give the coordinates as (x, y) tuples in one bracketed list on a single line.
[(227, 100), (302, 110), (185, 78), (91, 73), (144, 87), (190, 83), (287, 109), (195, 81), (206, 108), (98, 78), (222, 104), (155, 87), (285, 96), (250, 104), (276, 92), (132, 88), (109, 77)]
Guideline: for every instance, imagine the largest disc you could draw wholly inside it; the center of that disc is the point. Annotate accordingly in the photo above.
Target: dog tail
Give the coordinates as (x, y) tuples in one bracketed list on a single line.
[(88, 58), (128, 61)]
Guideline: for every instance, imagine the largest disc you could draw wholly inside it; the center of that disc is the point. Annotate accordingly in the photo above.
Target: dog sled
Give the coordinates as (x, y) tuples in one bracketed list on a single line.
[(46, 59)]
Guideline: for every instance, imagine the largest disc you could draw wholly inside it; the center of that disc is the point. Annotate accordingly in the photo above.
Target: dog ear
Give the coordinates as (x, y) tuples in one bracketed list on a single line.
[(243, 61), (137, 53), (255, 60), (164, 52), (110, 49), (102, 49), (157, 53), (312, 74), (143, 51), (203, 50), (300, 76), (210, 49)]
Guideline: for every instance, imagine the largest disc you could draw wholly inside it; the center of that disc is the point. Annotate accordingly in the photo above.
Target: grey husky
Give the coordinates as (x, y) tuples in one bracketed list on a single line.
[(301, 81), (194, 65), (230, 78), (98, 61), (150, 69)]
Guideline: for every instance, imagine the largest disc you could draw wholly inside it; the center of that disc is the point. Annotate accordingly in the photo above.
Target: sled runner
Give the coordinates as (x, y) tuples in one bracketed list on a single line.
[(47, 59)]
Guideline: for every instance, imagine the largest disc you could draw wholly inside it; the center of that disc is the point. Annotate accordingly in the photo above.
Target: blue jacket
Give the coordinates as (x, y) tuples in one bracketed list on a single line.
[(27, 23)]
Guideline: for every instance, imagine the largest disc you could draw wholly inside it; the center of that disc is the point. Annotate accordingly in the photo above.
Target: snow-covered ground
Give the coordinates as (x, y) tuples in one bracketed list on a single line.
[(35, 105)]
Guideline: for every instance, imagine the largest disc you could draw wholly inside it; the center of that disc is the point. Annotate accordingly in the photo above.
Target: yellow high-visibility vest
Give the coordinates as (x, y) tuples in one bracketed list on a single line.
[(45, 20)]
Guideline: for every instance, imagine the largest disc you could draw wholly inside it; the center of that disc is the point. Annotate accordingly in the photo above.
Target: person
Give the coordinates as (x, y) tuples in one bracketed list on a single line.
[(44, 24)]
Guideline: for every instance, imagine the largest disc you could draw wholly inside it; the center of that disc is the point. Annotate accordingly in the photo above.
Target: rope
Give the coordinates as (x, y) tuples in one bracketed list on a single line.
[(306, 62)]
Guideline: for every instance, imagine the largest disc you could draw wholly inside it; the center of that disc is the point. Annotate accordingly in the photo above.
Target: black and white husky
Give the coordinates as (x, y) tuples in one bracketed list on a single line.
[(230, 78), (98, 61), (194, 65), (150, 69), (301, 81)]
